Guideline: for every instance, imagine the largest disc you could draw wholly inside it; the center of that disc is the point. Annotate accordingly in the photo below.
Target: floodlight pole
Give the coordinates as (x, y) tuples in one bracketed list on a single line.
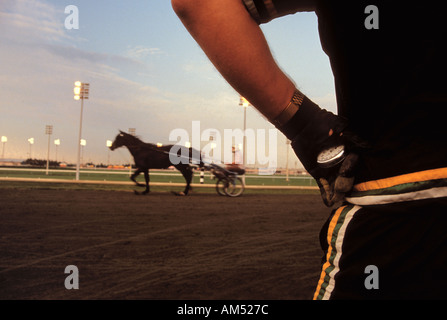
[(78, 162), (4, 140), (31, 142), (244, 103), (48, 131), (57, 142), (81, 92), (108, 144)]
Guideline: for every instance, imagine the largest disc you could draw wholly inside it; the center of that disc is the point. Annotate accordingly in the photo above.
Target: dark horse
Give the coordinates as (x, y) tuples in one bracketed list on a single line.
[(149, 156)]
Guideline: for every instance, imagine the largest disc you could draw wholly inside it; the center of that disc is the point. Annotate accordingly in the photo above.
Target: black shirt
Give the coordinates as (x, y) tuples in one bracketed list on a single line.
[(391, 81), (389, 66)]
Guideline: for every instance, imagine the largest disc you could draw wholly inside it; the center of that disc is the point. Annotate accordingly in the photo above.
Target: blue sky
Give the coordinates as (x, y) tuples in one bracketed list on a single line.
[(145, 72)]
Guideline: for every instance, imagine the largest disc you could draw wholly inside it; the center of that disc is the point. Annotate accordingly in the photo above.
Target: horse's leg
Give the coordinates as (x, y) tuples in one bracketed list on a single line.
[(187, 174), (146, 178), (135, 175)]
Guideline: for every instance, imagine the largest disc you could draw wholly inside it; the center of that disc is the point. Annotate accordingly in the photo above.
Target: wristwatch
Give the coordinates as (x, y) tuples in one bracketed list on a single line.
[(290, 110), (330, 157)]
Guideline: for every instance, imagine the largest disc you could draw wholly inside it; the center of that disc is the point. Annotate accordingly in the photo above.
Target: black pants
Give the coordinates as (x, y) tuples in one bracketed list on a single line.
[(392, 251)]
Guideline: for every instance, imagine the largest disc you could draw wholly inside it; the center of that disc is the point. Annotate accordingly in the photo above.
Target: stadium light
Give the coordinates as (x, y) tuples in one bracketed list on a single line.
[(244, 103), (4, 140), (82, 143), (48, 131), (57, 143), (31, 142), (81, 92), (108, 144)]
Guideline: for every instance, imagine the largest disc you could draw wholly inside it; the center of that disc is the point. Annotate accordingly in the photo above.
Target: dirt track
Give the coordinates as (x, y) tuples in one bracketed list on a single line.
[(159, 246)]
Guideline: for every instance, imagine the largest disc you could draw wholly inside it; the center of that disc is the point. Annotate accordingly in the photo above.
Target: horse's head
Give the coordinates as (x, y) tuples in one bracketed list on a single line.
[(120, 140)]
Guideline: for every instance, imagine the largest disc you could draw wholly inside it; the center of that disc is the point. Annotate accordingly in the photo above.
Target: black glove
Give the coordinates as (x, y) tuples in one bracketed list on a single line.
[(312, 130)]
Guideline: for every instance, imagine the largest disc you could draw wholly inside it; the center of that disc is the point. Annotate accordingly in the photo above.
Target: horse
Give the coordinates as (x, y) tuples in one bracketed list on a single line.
[(150, 156)]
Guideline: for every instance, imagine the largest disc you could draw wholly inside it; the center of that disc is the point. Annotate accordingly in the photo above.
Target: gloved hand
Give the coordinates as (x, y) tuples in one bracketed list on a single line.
[(313, 130)]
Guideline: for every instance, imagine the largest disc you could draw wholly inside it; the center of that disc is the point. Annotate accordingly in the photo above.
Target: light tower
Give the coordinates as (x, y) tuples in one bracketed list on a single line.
[(81, 92), (49, 132)]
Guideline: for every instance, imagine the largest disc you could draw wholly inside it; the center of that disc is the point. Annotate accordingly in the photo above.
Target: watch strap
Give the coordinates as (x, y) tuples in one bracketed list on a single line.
[(290, 110)]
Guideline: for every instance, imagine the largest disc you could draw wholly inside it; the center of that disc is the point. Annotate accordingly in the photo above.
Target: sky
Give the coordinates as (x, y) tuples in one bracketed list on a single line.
[(145, 72)]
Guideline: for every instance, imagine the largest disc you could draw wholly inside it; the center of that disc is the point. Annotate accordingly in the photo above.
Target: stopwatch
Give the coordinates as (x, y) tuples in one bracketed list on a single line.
[(331, 157)]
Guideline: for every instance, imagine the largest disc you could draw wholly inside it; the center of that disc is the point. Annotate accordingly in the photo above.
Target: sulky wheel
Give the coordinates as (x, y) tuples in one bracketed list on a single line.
[(221, 185), (234, 187)]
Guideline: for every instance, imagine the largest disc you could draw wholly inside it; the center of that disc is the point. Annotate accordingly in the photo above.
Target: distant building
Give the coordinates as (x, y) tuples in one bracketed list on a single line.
[(11, 162)]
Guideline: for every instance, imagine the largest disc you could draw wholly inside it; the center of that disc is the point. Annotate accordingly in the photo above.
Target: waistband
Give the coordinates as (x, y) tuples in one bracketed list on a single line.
[(408, 187)]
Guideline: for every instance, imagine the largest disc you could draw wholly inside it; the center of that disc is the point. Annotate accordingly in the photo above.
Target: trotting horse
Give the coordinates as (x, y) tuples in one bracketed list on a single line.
[(149, 156)]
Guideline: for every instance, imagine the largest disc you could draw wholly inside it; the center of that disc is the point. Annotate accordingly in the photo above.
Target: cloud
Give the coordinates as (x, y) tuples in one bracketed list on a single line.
[(202, 68), (141, 52), (32, 21), (39, 69)]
